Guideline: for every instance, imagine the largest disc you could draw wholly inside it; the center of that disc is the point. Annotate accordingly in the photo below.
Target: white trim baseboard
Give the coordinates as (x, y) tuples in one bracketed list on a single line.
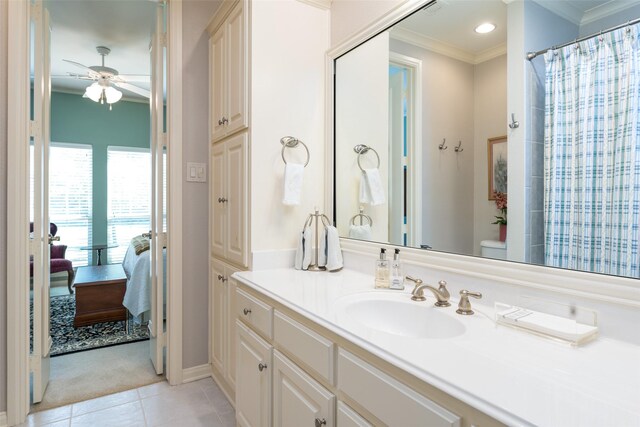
[(195, 373), (3, 419)]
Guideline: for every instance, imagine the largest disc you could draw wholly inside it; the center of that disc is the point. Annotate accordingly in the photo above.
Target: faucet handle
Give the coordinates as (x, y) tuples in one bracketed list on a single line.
[(417, 293), (418, 282), (464, 306)]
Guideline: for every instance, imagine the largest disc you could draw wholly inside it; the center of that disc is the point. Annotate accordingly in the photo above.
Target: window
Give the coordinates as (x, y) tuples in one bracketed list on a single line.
[(70, 197), (128, 197)]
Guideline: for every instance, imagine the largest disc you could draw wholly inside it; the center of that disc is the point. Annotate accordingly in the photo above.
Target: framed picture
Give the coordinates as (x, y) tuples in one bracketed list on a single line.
[(497, 148)]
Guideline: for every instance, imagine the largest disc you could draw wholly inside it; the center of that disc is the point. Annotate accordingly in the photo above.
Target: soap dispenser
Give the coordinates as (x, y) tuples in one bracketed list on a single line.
[(382, 270), (397, 280)]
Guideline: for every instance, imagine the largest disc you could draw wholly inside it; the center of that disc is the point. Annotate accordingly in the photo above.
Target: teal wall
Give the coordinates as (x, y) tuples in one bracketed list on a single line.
[(75, 119)]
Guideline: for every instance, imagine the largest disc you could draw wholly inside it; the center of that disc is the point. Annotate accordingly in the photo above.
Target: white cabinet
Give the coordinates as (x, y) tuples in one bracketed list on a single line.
[(290, 372), (387, 398), (228, 103), (253, 379), (299, 400), (222, 311), (229, 198)]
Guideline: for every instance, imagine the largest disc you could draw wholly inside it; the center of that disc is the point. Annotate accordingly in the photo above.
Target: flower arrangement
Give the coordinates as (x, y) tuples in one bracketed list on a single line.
[(501, 204)]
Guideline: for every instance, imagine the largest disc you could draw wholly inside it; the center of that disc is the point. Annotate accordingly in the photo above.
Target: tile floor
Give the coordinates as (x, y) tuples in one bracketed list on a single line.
[(199, 403)]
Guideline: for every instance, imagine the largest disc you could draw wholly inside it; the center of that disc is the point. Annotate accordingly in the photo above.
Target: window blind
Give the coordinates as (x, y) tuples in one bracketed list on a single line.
[(70, 197), (128, 197)]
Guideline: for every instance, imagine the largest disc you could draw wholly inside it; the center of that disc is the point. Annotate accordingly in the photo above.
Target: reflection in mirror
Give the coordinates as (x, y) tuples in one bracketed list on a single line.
[(456, 172)]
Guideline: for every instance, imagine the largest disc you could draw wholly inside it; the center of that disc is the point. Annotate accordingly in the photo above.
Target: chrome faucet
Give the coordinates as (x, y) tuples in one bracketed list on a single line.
[(441, 294)]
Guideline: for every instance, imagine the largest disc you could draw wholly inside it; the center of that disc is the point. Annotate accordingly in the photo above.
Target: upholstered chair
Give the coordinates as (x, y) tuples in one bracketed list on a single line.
[(58, 262)]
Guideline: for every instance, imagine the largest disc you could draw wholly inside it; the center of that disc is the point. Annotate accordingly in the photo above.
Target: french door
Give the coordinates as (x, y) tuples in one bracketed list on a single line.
[(158, 205), (40, 239)]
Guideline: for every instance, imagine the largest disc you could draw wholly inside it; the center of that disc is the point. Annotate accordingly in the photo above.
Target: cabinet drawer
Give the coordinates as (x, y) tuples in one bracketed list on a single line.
[(310, 348), (392, 402), (347, 417), (255, 313)]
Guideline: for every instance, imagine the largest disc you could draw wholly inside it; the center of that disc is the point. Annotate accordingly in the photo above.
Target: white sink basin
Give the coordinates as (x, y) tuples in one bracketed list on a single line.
[(397, 314)]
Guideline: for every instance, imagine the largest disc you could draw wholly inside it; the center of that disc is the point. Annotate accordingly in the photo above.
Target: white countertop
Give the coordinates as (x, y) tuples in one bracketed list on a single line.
[(515, 377)]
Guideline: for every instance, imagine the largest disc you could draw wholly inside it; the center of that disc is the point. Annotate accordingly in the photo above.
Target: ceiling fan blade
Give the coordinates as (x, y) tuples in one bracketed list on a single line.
[(133, 78), (132, 88), (72, 76), (77, 64)]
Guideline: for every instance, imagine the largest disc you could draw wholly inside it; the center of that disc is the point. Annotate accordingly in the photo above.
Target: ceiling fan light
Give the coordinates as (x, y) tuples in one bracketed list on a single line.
[(93, 92), (112, 94)]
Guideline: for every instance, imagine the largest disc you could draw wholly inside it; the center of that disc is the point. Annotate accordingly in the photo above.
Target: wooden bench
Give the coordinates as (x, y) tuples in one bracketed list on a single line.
[(99, 293)]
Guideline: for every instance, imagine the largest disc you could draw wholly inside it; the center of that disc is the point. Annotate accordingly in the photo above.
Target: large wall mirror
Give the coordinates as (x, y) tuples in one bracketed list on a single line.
[(428, 154)]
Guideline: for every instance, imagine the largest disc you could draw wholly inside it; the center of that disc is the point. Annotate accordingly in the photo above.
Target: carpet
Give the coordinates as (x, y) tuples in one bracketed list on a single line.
[(67, 339), (90, 374)]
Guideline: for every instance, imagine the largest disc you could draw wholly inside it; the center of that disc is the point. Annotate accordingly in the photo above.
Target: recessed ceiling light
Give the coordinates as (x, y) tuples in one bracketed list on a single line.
[(485, 28)]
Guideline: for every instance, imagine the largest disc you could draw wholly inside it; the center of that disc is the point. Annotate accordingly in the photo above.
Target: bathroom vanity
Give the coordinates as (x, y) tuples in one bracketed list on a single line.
[(331, 349)]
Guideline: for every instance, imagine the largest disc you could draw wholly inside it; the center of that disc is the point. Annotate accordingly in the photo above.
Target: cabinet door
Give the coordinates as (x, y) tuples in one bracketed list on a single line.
[(218, 89), (219, 317), (237, 102), (299, 400), (231, 336), (218, 207), (236, 172), (253, 379)]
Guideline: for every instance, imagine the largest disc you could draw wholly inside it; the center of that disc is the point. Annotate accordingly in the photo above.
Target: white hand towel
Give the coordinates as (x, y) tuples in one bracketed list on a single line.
[(293, 174), (303, 251), (308, 247), (322, 249), (334, 252), (362, 232), (374, 183), (364, 189)]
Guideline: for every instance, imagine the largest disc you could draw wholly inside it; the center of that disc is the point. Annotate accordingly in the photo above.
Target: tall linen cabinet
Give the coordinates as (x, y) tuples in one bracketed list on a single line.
[(266, 80)]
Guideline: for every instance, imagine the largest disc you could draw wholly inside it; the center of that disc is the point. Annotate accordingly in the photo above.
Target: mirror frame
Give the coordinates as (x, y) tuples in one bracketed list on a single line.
[(599, 287)]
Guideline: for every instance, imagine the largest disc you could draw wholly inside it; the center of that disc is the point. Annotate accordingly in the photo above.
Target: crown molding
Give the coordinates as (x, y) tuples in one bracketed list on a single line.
[(563, 9), (605, 10), (571, 13), (446, 49)]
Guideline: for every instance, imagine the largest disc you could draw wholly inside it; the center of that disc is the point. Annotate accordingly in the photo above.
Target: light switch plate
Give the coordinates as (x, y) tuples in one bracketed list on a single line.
[(196, 172)]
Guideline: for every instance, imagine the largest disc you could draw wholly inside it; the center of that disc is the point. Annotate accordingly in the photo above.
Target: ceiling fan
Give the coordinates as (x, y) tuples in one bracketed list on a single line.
[(105, 78)]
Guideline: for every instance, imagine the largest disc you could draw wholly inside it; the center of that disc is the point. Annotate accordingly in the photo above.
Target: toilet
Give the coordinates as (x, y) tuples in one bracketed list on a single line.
[(493, 249)]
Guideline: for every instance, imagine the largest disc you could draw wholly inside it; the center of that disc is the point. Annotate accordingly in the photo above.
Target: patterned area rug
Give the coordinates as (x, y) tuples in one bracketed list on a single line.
[(67, 339)]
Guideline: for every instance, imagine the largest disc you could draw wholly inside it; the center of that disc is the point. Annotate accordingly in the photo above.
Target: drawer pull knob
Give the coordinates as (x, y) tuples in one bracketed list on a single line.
[(262, 367), (246, 311), (321, 422), (220, 276)]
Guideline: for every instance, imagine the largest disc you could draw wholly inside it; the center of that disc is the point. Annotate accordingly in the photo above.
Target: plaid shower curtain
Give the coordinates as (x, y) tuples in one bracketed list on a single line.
[(592, 155)]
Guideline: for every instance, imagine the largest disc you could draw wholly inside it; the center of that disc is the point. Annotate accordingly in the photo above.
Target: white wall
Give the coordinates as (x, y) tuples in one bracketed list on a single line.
[(288, 44), (362, 113), (351, 16), (490, 110), (195, 196), (447, 176), (3, 205)]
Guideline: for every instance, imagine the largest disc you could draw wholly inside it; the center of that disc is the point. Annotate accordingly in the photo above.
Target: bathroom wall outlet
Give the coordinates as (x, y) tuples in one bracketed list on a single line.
[(196, 172)]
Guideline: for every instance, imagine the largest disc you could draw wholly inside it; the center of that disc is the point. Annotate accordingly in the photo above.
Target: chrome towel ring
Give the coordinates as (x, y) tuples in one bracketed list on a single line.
[(362, 149), (291, 142), (362, 216)]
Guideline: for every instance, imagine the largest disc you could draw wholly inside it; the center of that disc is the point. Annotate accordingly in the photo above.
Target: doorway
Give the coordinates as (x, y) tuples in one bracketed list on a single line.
[(19, 357)]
